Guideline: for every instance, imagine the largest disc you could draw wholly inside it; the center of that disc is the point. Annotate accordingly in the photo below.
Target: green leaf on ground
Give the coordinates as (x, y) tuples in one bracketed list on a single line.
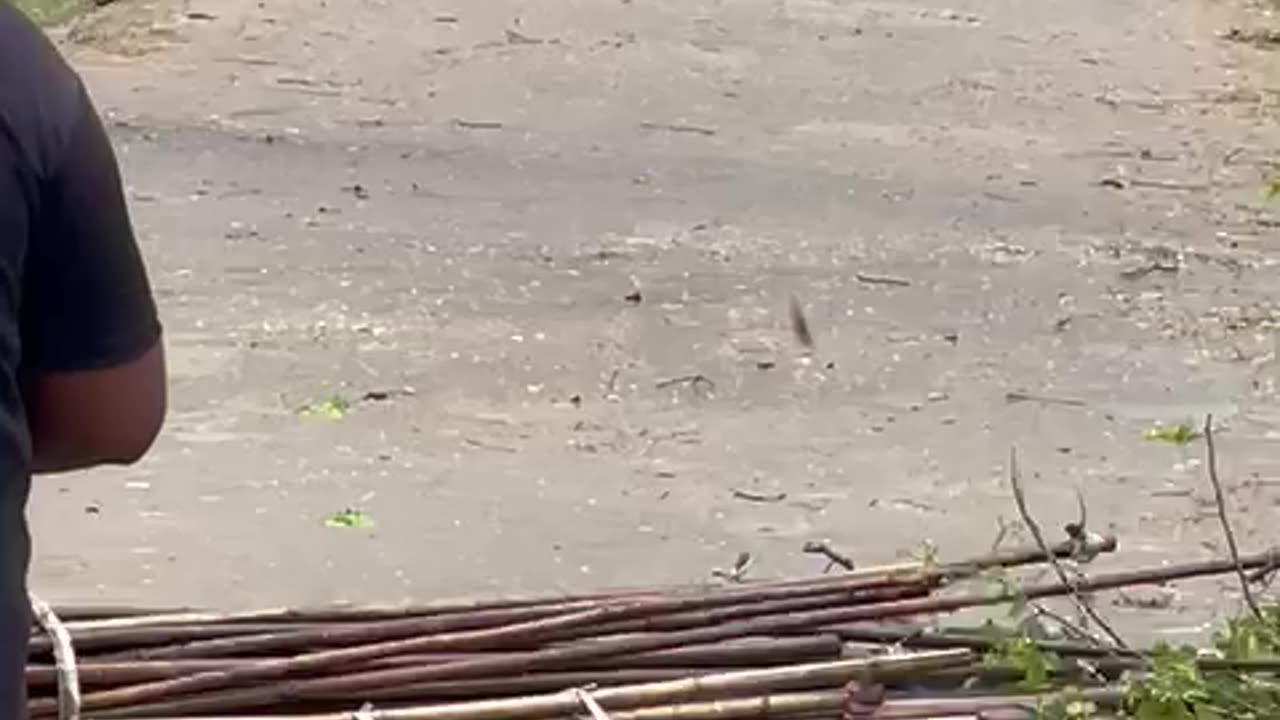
[(333, 408), (1271, 190), (349, 518), (1182, 434)]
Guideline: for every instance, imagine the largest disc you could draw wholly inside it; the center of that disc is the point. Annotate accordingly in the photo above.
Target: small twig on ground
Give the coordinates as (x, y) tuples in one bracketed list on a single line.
[(871, 279), (834, 557), (760, 497), (1001, 534), (695, 381), (1221, 501), (1016, 397), (800, 325), (738, 572), (1015, 480), (1064, 622)]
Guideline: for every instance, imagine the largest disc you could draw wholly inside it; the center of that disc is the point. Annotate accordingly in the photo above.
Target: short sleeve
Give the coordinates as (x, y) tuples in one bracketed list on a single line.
[(87, 302)]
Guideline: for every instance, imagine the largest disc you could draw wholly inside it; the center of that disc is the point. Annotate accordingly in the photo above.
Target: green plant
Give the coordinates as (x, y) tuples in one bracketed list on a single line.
[(1181, 434), (1175, 689), (333, 408), (1034, 666), (1067, 705), (1249, 637)]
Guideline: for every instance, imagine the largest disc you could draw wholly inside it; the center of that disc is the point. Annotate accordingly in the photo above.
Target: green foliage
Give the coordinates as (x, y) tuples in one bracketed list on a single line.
[(349, 518), (1271, 190), (1249, 637), (1175, 689), (1067, 705), (1174, 685), (1025, 656)]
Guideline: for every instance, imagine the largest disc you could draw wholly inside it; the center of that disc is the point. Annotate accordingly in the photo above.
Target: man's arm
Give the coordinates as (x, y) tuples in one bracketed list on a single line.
[(93, 361)]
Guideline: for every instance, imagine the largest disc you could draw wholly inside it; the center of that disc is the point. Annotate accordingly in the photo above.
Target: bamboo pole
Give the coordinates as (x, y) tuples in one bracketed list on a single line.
[(749, 652), (111, 637), (472, 639), (361, 681), (321, 636), (648, 694)]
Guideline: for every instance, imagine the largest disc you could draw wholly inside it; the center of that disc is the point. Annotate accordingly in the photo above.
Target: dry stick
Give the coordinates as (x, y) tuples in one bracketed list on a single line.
[(1015, 480), (1221, 501), (689, 688), (527, 662)]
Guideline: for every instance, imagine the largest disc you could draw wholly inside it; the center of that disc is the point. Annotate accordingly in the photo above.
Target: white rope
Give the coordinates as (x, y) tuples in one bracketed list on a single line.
[(64, 657)]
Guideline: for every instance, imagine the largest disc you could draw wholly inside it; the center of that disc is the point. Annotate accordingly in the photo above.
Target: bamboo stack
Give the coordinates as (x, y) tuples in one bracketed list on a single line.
[(809, 648)]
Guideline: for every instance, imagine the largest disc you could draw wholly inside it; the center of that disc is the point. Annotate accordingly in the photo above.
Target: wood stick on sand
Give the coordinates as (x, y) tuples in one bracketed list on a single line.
[(1220, 500), (1015, 481)]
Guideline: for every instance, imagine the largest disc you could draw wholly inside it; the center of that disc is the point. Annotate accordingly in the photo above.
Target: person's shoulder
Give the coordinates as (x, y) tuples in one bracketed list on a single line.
[(41, 98)]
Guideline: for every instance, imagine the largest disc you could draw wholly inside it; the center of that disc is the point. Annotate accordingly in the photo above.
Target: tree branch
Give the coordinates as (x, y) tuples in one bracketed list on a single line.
[(1221, 501), (1015, 480)]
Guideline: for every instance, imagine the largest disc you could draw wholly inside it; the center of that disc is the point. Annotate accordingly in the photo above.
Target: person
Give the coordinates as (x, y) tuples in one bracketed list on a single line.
[(82, 375)]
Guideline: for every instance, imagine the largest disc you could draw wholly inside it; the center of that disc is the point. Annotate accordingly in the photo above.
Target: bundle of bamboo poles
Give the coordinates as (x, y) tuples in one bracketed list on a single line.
[(811, 648)]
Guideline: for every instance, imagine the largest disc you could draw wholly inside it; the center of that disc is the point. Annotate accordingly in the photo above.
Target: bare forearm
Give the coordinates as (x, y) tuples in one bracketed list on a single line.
[(108, 417)]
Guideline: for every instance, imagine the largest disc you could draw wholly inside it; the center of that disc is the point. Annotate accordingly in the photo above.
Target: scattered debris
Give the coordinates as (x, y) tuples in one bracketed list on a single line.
[(634, 297), (1122, 183), (697, 381), (477, 124), (800, 324), (359, 191), (760, 497), (679, 128), (1262, 38), (1145, 269), (383, 395), (1017, 397), (871, 279), (517, 38), (738, 572), (834, 558)]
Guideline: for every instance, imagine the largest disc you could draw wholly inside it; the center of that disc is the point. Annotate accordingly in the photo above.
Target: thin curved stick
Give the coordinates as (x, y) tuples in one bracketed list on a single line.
[(1015, 480)]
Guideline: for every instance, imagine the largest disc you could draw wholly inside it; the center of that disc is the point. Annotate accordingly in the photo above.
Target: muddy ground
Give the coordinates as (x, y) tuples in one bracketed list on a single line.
[(545, 250)]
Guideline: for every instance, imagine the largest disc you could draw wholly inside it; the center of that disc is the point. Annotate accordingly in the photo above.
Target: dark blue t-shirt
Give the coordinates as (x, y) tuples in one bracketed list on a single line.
[(74, 294)]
